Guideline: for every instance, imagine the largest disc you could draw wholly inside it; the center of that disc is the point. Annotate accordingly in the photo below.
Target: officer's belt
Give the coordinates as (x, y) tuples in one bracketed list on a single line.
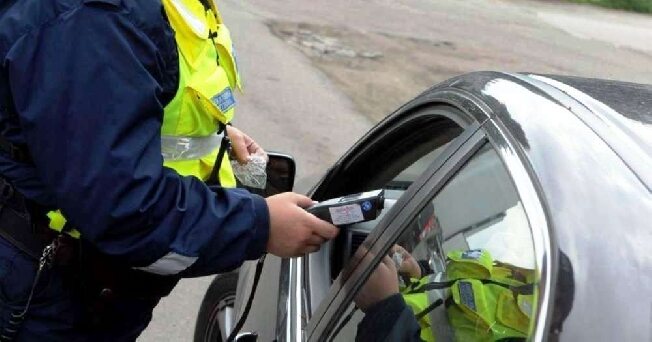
[(17, 230), (18, 225)]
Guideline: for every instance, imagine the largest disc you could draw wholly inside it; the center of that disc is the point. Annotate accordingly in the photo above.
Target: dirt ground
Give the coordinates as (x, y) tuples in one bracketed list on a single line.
[(380, 69)]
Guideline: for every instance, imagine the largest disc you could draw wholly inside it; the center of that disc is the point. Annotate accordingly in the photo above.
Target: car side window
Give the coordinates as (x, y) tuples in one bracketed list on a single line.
[(391, 159), (396, 157), (395, 162), (463, 270)]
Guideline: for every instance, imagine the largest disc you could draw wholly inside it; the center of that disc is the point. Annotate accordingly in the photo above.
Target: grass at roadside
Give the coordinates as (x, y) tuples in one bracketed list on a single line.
[(643, 6)]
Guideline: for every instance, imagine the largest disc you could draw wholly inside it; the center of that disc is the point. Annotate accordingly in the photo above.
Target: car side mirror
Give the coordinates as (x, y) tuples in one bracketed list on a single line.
[(281, 170)]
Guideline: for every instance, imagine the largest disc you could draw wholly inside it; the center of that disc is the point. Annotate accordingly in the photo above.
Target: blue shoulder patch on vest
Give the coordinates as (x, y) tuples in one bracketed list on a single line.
[(224, 100), (473, 254), (466, 295)]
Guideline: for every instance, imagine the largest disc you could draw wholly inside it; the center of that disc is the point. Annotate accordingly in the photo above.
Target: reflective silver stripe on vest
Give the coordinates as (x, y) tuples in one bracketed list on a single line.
[(188, 148), (196, 24), (169, 264)]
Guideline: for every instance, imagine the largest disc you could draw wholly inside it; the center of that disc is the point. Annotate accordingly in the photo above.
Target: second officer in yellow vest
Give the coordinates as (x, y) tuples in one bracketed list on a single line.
[(204, 104)]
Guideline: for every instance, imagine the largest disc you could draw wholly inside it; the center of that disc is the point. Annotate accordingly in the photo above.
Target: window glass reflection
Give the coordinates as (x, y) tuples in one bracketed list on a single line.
[(464, 270)]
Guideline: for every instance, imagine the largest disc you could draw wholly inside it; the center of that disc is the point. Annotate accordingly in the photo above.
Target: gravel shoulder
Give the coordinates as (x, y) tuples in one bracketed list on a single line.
[(381, 64)]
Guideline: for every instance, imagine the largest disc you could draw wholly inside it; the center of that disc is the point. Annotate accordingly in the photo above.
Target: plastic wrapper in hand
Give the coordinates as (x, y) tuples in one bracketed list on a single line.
[(252, 174), (397, 257)]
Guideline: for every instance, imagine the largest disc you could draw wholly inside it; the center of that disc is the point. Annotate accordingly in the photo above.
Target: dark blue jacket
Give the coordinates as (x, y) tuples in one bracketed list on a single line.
[(83, 84), (390, 320)]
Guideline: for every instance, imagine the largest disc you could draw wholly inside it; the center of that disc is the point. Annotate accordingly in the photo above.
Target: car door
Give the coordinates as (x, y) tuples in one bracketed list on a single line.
[(394, 155), (464, 180)]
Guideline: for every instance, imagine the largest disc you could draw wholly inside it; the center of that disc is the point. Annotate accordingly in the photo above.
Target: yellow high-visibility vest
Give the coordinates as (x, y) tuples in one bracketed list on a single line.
[(484, 301), (204, 102)]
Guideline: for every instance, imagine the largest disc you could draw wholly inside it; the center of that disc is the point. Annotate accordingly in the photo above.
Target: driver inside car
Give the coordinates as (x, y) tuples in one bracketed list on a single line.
[(475, 299)]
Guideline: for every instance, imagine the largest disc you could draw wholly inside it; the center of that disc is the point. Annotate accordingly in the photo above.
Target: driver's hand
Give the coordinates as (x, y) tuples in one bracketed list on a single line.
[(409, 266), (381, 284), (293, 231)]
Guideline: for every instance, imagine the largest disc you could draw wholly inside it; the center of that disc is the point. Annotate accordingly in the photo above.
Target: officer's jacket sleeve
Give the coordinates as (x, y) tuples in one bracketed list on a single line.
[(89, 88), (389, 320)]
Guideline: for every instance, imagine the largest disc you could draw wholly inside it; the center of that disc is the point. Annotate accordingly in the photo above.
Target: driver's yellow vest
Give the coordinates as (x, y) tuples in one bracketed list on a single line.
[(485, 300), (204, 102)]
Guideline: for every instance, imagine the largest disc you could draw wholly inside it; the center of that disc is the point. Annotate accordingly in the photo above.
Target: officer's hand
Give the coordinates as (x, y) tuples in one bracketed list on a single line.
[(243, 146), (293, 231), (381, 284)]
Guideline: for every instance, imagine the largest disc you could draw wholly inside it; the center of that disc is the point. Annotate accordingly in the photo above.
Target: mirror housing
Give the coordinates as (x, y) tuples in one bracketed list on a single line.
[(281, 171)]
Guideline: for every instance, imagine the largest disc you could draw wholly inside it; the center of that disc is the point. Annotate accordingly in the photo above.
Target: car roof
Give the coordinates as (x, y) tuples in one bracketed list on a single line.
[(620, 113), (631, 100)]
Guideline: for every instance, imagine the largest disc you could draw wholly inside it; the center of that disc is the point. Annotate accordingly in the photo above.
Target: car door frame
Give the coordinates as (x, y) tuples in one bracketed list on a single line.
[(425, 188), (291, 309), (389, 229)]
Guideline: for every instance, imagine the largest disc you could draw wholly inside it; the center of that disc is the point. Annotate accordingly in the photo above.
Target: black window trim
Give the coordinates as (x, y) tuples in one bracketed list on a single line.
[(471, 108)]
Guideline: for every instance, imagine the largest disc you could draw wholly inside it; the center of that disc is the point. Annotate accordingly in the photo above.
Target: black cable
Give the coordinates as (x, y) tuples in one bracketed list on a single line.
[(214, 177), (245, 313)]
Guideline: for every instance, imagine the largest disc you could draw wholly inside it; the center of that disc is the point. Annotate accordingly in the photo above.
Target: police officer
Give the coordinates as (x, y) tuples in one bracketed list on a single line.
[(114, 116)]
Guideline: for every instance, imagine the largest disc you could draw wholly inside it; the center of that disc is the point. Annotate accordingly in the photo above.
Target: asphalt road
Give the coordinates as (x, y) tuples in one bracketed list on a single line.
[(314, 108)]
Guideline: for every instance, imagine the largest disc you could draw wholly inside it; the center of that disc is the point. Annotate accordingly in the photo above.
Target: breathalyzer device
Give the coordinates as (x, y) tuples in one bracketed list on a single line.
[(365, 206)]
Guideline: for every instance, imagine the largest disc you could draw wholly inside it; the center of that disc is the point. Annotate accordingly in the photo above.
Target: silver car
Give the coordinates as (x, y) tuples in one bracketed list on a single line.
[(550, 174)]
